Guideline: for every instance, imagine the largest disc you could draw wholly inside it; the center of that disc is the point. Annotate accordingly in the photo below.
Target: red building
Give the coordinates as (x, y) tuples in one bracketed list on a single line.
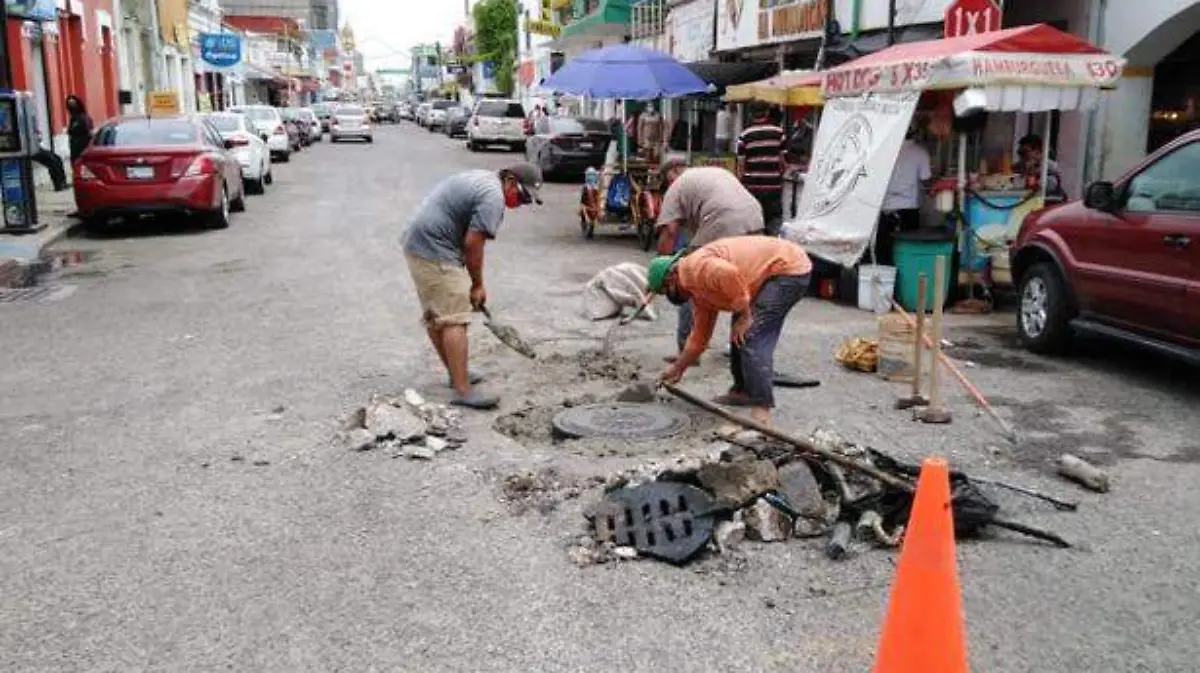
[(74, 54)]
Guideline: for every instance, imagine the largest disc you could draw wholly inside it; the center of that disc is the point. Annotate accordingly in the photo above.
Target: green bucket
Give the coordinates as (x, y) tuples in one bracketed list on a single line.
[(916, 253)]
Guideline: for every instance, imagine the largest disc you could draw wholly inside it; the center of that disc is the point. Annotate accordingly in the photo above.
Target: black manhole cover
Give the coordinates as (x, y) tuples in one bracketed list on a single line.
[(626, 421)]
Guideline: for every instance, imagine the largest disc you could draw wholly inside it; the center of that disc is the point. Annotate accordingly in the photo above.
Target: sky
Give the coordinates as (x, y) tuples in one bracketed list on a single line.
[(386, 29)]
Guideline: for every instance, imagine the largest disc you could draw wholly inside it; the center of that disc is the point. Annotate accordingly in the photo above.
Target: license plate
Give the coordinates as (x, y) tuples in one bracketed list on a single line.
[(139, 172), (586, 146)]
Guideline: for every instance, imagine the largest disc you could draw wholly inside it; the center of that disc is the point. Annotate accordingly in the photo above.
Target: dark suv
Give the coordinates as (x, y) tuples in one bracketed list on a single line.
[(1123, 263)]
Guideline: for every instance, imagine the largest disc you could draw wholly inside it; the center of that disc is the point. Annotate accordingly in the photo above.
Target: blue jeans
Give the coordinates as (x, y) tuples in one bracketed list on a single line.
[(753, 363)]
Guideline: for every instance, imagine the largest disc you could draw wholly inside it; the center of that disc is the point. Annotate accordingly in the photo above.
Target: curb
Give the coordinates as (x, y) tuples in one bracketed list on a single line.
[(17, 251)]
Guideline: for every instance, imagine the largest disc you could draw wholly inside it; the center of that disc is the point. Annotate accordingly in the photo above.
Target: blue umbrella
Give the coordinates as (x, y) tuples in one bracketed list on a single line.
[(625, 71)]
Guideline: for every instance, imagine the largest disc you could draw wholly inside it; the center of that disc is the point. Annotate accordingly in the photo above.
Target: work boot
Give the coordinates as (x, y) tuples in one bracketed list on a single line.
[(733, 398), (475, 400), (473, 377)]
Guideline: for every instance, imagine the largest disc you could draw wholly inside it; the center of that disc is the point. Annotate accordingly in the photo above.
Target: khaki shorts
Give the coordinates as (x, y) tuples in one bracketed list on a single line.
[(444, 289)]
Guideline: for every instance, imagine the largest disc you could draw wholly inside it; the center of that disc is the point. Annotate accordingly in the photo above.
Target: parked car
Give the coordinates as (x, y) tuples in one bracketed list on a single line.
[(323, 112), (144, 165), (389, 113), (1123, 263), (271, 128), (456, 121), (311, 124), (567, 146), (296, 128), (422, 113), (350, 121), (437, 114), (240, 135), (497, 122), (405, 112)]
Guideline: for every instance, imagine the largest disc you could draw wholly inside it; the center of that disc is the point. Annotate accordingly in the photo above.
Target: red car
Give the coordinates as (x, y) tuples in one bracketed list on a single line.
[(150, 165), (1123, 263)]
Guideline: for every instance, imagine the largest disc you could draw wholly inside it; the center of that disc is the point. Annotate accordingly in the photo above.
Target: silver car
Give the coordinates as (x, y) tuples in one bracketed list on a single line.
[(497, 122), (350, 121)]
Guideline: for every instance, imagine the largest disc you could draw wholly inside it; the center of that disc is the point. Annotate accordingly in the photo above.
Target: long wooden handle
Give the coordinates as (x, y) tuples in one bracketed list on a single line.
[(918, 347), (939, 299)]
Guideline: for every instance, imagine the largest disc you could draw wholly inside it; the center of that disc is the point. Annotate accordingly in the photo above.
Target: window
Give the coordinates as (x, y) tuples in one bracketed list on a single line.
[(136, 132), (499, 108), (444, 104), (260, 114), (1169, 184), (226, 123), (350, 111), (211, 136)]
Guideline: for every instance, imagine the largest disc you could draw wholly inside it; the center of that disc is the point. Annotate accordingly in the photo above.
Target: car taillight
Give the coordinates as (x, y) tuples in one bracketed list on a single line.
[(475, 121), (86, 174), (279, 131), (333, 121), (202, 165), (239, 141)]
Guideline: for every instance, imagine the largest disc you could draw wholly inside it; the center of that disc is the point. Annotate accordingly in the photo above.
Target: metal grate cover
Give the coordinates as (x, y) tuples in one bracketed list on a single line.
[(620, 420), (41, 293), (671, 521)]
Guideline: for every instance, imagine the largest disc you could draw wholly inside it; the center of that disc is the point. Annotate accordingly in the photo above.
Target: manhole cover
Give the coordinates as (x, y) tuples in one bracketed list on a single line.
[(628, 421)]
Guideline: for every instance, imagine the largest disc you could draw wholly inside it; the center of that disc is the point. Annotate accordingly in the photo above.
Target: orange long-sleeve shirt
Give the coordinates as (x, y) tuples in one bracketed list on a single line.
[(726, 274)]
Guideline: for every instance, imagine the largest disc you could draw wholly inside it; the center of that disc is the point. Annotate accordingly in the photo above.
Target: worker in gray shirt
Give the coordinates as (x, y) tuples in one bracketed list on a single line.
[(702, 205), (443, 245)]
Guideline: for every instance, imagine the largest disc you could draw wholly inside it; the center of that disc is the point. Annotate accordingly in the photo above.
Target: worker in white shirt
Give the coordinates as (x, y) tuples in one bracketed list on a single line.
[(902, 205), (724, 130)]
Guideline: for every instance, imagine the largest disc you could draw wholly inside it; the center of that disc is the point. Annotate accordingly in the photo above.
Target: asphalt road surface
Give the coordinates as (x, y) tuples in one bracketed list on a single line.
[(173, 499)]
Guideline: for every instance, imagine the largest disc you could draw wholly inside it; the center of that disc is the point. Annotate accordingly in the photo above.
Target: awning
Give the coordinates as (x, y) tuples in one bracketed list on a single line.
[(255, 73), (1038, 56), (793, 88), (722, 75)]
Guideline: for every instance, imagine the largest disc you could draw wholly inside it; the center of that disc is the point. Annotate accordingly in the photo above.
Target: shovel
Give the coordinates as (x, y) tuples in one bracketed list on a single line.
[(507, 335)]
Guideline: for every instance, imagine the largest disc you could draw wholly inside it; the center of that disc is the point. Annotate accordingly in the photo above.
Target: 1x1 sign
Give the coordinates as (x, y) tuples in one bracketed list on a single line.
[(967, 17), (163, 103)]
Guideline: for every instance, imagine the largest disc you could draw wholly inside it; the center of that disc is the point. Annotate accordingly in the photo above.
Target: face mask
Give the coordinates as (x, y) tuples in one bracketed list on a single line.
[(512, 197)]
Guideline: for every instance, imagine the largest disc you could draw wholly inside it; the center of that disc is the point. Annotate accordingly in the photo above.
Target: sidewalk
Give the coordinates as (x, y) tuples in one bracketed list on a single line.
[(19, 250)]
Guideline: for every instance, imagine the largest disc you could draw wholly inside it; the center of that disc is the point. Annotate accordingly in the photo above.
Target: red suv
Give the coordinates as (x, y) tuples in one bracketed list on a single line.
[(1124, 263)]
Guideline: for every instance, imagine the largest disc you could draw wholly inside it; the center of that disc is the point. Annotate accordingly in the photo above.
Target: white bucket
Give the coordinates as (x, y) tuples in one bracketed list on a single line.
[(876, 285)]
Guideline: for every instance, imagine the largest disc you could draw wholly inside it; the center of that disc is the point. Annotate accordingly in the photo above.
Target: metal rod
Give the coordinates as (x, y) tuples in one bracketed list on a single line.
[(918, 346)]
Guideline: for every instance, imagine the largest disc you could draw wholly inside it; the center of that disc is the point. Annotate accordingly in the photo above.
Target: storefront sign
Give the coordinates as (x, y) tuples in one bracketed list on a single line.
[(689, 31), (37, 10), (221, 50), (743, 24), (854, 155), (968, 17), (977, 69), (544, 24), (163, 102)]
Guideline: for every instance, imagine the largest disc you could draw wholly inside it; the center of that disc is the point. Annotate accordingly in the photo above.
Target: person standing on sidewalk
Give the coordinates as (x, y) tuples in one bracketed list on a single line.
[(724, 129), (901, 211), (757, 278), (761, 163), (701, 205), (79, 127), (443, 245)]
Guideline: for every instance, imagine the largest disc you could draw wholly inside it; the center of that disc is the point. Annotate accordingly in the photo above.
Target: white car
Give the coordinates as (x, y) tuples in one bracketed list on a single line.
[(248, 146), (314, 124), (438, 110), (423, 113), (350, 121), (497, 122), (270, 126)]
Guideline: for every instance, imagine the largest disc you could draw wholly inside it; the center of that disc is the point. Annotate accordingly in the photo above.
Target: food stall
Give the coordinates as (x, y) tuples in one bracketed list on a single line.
[(619, 199), (870, 102)]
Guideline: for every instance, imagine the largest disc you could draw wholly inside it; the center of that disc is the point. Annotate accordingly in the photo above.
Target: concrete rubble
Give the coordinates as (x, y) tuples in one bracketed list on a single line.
[(406, 426)]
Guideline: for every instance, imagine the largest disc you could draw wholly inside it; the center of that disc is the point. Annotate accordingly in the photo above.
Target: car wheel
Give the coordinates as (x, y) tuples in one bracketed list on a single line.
[(285, 157), (518, 147), (219, 218), (269, 177), (370, 139), (1045, 310), (238, 203), (94, 225), (256, 186), (472, 145)]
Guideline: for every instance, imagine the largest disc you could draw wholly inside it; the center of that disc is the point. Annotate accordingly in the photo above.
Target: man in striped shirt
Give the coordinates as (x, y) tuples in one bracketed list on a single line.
[(760, 165)]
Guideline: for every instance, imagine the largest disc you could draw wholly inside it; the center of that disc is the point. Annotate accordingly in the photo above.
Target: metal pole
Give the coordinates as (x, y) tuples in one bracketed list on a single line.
[(891, 26), (6, 60)]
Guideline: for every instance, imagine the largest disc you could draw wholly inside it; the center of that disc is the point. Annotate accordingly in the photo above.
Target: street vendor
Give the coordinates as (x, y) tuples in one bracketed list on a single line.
[(1031, 152), (701, 205), (443, 245), (756, 278)]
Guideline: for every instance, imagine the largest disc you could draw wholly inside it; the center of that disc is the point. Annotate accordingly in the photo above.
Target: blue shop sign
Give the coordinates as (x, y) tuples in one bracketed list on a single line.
[(221, 50)]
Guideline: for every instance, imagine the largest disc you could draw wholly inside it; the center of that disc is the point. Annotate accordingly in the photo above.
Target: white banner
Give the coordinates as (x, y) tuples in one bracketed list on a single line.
[(853, 157)]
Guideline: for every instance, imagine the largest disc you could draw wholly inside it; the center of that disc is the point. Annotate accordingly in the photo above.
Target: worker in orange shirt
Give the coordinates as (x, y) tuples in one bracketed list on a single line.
[(757, 278)]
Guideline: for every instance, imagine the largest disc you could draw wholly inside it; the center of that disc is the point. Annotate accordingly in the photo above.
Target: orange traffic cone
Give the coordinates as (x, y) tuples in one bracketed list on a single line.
[(923, 630)]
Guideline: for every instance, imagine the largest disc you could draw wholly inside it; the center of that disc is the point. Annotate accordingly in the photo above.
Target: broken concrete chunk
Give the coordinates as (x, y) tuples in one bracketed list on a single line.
[(359, 439), (418, 452), (801, 489), (637, 393), (1082, 472), (413, 398), (624, 553), (765, 523), (728, 431), (730, 534), (386, 420), (355, 419), (735, 484), (435, 444)]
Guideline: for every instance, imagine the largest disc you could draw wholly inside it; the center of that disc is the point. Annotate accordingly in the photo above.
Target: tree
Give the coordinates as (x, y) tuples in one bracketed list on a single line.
[(496, 23)]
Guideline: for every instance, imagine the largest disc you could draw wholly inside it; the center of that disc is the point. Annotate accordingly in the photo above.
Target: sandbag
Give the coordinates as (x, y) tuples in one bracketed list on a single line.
[(614, 289)]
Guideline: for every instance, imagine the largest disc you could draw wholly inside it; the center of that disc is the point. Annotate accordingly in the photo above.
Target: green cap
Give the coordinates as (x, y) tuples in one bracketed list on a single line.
[(656, 274)]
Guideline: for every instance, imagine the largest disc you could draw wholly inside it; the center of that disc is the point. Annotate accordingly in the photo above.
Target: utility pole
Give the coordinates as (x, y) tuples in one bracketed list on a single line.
[(891, 28), (6, 59)]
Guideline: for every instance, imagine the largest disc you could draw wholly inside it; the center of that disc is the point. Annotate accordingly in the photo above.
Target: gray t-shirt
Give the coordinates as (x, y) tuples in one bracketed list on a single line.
[(710, 204), (467, 201)]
